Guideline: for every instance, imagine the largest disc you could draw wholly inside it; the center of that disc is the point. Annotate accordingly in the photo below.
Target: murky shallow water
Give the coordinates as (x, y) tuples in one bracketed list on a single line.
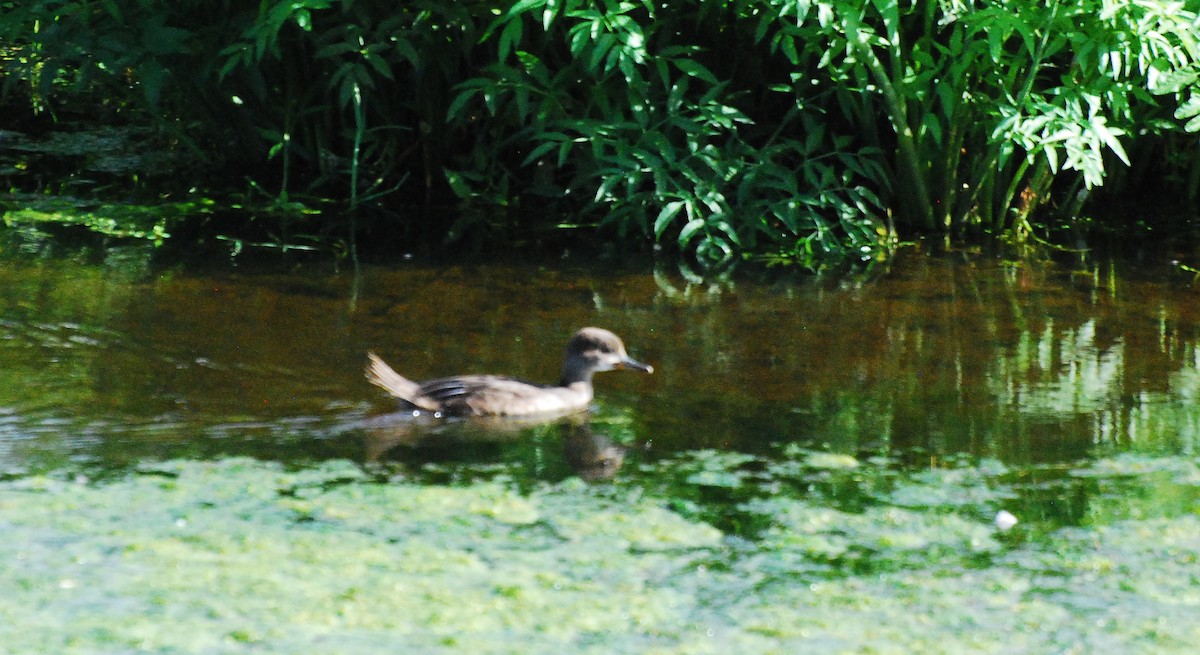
[(814, 466), (1024, 362)]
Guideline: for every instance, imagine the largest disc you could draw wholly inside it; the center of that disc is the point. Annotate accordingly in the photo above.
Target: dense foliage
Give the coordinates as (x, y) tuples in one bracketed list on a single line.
[(805, 129)]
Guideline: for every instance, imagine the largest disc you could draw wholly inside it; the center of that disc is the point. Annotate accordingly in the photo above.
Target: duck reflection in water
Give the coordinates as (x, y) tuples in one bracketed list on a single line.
[(591, 455), (502, 405)]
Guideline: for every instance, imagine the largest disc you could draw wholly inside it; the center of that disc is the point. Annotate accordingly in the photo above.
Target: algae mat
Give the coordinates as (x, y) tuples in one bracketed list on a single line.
[(240, 556)]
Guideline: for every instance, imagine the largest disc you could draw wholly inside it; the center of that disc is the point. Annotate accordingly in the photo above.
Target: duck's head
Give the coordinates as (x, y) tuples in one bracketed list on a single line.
[(592, 350)]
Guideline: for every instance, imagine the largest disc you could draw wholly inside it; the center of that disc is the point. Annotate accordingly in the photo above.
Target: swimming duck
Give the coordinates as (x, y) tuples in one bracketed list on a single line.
[(591, 350)]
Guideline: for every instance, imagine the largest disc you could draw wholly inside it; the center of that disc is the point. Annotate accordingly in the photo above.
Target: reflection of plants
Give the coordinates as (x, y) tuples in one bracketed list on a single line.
[(1170, 417), (1060, 373)]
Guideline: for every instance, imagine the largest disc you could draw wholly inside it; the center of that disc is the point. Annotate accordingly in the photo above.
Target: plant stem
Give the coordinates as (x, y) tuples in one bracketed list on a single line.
[(908, 163)]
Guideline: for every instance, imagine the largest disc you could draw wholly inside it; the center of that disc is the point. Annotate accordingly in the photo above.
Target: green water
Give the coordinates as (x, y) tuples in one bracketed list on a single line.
[(238, 556), (192, 462)]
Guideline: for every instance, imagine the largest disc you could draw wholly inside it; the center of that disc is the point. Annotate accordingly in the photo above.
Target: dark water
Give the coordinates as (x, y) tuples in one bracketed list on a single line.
[(108, 364)]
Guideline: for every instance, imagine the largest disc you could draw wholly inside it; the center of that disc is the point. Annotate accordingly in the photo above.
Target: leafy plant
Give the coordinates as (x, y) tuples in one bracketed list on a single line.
[(798, 130), (629, 114)]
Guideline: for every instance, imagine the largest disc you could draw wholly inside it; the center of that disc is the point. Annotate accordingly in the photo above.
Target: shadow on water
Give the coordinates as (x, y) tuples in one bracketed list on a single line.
[(1030, 362)]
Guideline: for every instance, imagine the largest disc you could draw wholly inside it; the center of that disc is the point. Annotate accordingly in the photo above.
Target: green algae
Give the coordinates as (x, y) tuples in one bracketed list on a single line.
[(128, 221), (240, 556)]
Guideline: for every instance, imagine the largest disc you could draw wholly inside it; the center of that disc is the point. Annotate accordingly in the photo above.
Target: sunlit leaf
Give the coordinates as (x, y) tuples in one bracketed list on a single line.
[(1109, 137), (668, 213), (1189, 108), (689, 231), (457, 183), (695, 69)]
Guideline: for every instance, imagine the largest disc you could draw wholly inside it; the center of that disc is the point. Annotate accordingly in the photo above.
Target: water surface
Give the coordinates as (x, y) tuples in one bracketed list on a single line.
[(192, 462), (1028, 362)]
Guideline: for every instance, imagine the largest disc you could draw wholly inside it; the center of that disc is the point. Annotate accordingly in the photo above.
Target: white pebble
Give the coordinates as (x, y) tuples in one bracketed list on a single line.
[(1005, 520)]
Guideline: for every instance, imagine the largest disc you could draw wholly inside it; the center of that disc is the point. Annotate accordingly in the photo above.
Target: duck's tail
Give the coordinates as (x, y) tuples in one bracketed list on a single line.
[(382, 376)]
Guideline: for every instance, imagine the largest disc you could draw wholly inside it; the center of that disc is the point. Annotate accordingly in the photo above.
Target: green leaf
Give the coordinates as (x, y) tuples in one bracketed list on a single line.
[(668, 213), (510, 37), (695, 69), (522, 100), (454, 111), (727, 228), (550, 13), (1109, 137), (523, 7), (788, 44), (1172, 81), (889, 11), (689, 231), (1190, 108), (457, 184), (379, 64), (1051, 153), (541, 150), (304, 19), (611, 180), (406, 50), (601, 47), (334, 50), (933, 129), (564, 149)]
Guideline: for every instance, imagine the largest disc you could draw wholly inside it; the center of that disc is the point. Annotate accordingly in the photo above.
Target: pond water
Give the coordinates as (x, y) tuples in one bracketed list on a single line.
[(1027, 362), (814, 461)]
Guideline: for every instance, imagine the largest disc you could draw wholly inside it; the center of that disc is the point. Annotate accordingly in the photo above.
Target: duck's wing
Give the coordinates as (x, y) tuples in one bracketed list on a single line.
[(495, 395)]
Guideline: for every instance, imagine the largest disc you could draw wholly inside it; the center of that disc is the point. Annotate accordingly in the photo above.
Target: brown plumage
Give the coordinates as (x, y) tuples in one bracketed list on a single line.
[(590, 350)]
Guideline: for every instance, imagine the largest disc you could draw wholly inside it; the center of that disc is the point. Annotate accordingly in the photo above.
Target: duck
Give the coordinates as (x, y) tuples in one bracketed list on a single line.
[(591, 350)]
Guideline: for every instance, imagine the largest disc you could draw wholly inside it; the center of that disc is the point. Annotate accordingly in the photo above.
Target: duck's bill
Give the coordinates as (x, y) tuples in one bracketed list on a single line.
[(635, 365)]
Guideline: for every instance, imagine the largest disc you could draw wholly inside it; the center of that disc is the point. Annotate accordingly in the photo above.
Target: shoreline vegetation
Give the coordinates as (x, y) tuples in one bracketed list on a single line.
[(790, 131)]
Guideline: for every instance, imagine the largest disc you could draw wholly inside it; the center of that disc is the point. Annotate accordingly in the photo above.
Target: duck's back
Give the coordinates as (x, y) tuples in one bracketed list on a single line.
[(497, 395)]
